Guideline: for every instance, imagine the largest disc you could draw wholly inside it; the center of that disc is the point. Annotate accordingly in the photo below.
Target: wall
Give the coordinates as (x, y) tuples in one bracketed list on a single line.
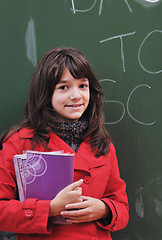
[(123, 42)]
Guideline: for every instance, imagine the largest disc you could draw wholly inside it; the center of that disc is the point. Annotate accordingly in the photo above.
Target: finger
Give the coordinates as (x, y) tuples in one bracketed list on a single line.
[(74, 185), (77, 220), (74, 221), (85, 198), (78, 205), (74, 213), (79, 189)]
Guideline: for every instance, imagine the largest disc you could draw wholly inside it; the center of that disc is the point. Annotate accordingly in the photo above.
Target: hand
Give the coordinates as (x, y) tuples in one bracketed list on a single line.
[(90, 209), (70, 194)]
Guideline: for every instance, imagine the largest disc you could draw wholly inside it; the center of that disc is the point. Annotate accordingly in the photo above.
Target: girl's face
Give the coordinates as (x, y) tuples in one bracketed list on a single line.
[(70, 97)]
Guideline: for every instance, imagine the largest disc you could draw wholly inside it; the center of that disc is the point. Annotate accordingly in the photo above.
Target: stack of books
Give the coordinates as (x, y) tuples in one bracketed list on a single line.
[(43, 174)]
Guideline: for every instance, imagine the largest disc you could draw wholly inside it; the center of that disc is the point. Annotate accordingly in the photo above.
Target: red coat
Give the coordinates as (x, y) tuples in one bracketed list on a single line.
[(30, 218)]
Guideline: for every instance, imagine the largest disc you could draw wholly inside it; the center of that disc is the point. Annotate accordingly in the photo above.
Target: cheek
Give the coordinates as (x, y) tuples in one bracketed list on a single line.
[(54, 101), (88, 97), (58, 100)]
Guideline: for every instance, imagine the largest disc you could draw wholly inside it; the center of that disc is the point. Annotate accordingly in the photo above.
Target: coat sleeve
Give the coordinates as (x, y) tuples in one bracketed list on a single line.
[(30, 216), (115, 197)]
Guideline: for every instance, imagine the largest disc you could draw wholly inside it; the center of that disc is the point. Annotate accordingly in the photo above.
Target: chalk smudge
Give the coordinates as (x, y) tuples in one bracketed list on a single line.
[(30, 40), (148, 3), (139, 205)]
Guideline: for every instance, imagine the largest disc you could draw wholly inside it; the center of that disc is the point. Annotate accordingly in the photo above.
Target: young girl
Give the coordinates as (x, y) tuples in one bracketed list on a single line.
[(64, 112)]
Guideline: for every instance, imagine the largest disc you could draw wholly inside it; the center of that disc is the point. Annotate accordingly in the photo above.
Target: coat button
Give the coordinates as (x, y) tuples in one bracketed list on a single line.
[(87, 179), (29, 213)]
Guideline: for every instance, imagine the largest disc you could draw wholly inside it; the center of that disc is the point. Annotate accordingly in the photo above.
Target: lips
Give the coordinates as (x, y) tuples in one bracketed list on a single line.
[(74, 105)]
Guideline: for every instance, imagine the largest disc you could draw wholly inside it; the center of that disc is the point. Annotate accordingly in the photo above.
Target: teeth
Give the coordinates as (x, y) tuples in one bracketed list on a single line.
[(75, 105)]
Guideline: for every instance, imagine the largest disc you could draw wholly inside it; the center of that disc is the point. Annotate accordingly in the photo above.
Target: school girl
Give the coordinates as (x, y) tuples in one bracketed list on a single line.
[(64, 112)]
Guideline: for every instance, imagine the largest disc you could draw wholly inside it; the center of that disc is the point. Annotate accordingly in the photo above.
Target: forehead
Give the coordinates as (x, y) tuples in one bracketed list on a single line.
[(66, 76)]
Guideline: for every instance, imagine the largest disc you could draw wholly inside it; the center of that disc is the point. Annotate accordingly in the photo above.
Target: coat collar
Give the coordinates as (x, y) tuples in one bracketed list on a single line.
[(84, 157)]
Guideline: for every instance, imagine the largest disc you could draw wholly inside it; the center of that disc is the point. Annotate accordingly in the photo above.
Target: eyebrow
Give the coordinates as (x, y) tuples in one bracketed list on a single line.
[(81, 79)]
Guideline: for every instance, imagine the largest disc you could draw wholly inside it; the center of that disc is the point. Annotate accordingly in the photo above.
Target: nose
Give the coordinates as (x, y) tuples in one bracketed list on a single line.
[(75, 93)]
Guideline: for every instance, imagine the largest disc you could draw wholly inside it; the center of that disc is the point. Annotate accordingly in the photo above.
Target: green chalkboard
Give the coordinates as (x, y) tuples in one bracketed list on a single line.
[(122, 39)]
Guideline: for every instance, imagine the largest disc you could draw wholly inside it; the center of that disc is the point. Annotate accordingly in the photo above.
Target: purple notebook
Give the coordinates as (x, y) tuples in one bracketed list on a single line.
[(20, 177), (47, 174), (43, 174)]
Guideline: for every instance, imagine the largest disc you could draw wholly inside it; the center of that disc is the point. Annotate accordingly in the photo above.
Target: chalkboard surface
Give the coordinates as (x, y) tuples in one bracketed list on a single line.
[(122, 39)]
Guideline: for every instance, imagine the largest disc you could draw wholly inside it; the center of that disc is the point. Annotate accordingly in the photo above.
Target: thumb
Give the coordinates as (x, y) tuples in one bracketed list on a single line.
[(74, 185)]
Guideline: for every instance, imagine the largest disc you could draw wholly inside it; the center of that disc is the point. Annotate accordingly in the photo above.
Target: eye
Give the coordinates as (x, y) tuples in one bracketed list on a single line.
[(83, 85), (63, 87)]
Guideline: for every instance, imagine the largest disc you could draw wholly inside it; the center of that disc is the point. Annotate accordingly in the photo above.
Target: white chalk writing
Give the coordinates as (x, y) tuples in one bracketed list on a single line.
[(139, 53), (140, 122), (94, 3), (114, 101), (121, 41), (83, 10), (130, 9), (127, 105)]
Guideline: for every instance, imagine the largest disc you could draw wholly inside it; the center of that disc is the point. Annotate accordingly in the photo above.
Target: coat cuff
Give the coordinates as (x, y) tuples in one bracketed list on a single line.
[(37, 212), (107, 223)]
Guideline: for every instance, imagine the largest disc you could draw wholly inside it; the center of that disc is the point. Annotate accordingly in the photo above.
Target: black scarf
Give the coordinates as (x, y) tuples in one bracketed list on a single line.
[(71, 132)]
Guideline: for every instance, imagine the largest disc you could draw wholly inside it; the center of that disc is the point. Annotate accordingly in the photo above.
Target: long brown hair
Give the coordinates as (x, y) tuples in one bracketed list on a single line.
[(39, 114)]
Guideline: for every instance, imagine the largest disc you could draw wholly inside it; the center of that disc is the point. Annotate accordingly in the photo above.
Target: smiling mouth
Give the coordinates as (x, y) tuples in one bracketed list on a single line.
[(74, 105)]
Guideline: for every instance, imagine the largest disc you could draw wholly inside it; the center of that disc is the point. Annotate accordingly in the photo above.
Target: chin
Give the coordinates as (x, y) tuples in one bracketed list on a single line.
[(75, 119)]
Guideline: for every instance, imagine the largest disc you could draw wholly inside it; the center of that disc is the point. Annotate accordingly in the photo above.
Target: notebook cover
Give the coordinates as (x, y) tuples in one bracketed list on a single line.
[(47, 174)]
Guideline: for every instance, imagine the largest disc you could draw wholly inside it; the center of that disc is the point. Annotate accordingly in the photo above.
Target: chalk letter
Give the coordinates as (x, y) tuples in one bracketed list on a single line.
[(141, 85), (77, 10), (121, 41), (114, 101), (139, 53), (130, 9)]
